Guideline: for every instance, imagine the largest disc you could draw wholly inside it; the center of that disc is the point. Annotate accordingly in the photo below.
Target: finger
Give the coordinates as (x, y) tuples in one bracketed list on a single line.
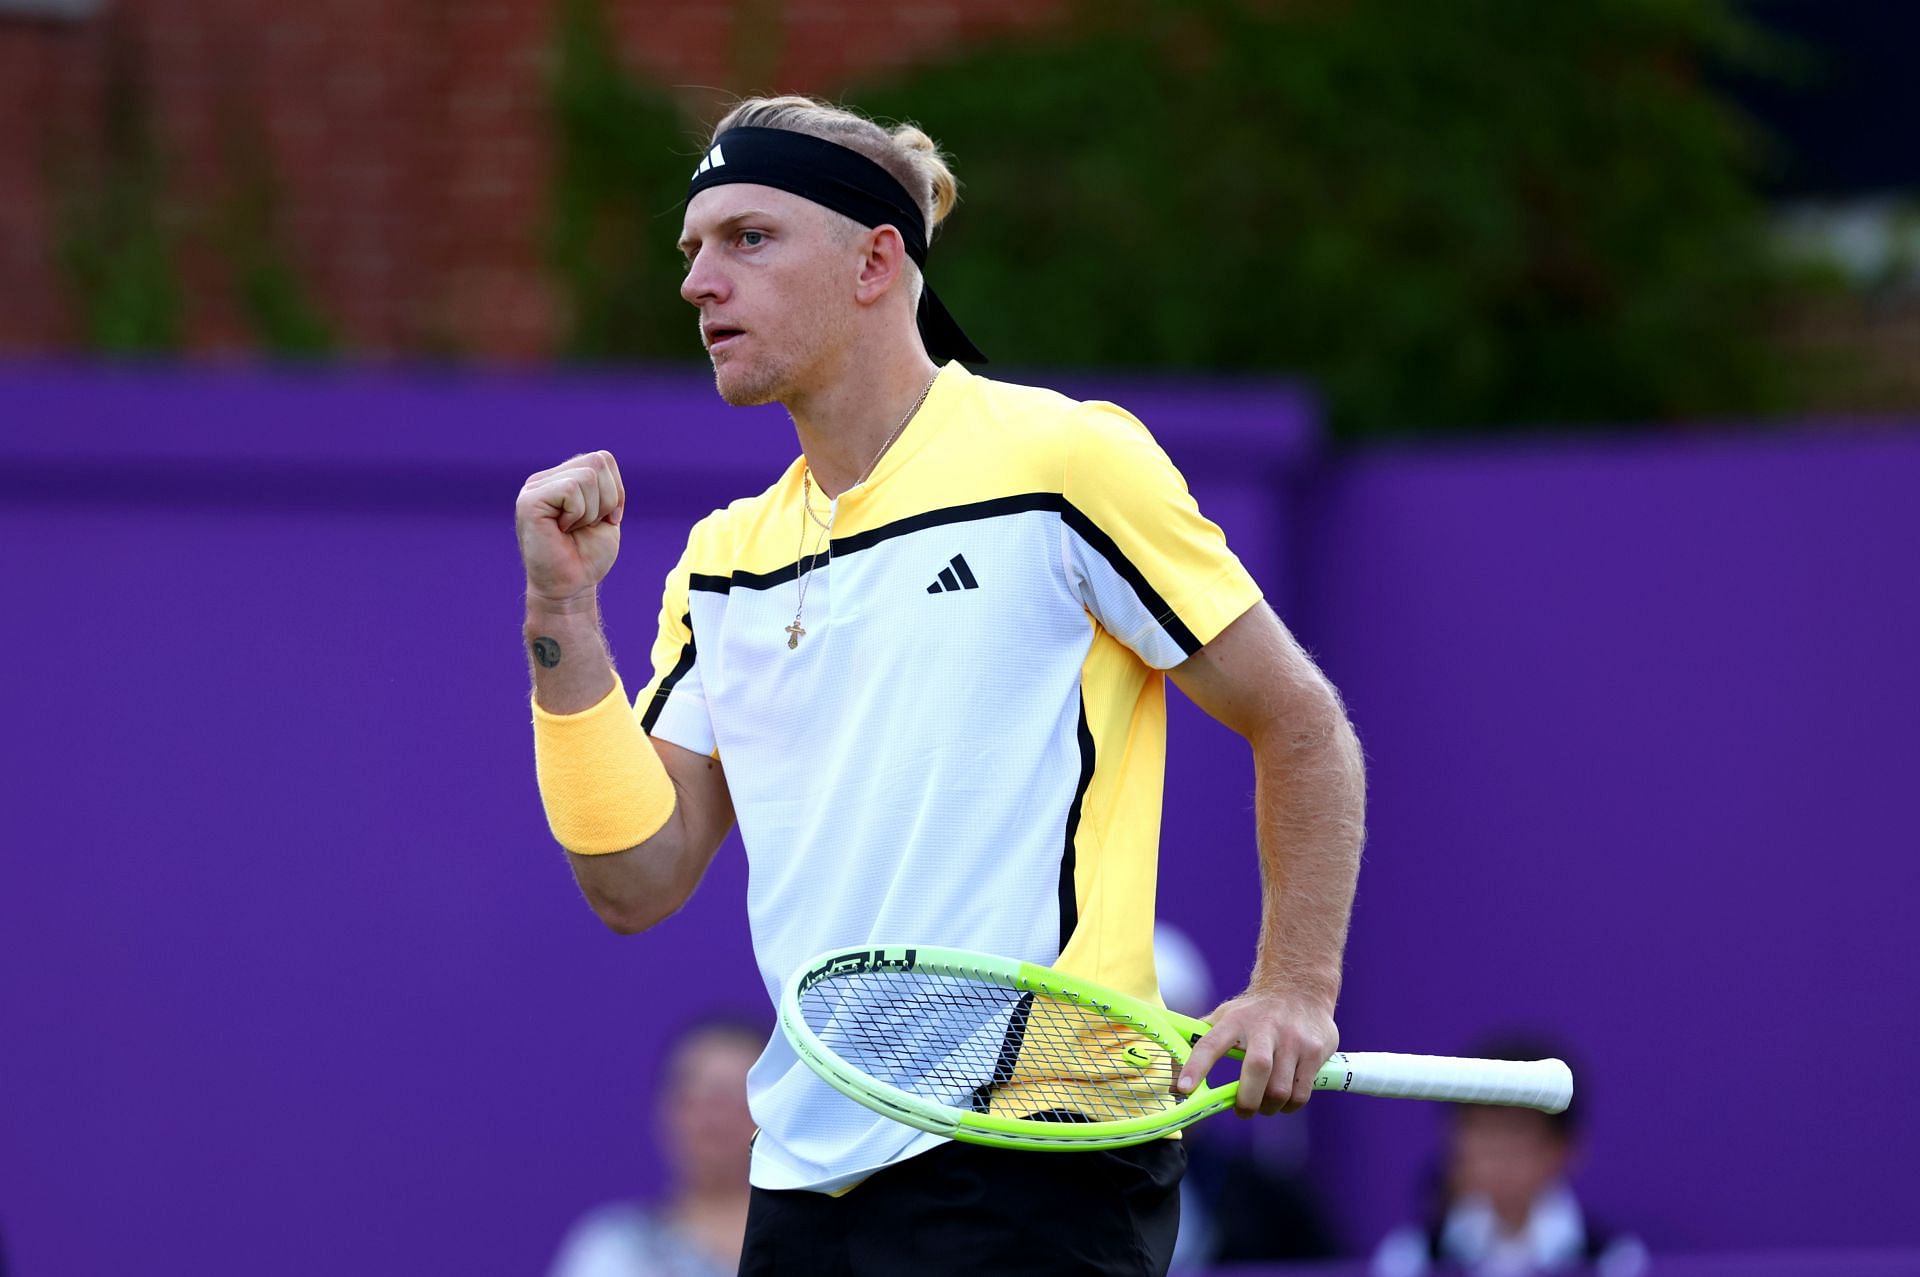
[(541, 477), (617, 509), (590, 489), (1282, 1089), (582, 502), (1304, 1074), (609, 487), (1313, 1060), (1206, 1053), (619, 482), (571, 501), (1256, 1070)]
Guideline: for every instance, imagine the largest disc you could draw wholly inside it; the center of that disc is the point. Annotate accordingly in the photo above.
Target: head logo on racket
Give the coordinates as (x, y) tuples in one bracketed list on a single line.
[(857, 962)]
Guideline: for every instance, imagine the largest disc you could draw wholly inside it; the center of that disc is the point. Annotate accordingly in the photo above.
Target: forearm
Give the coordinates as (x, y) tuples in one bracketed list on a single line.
[(633, 890), (1310, 804), (639, 819), (605, 788), (639, 886), (568, 654)]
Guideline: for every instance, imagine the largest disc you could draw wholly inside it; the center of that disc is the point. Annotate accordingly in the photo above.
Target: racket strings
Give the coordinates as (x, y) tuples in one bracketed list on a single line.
[(987, 1048)]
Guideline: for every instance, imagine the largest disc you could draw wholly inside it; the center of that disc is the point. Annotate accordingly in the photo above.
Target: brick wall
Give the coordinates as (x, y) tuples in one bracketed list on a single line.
[(406, 140)]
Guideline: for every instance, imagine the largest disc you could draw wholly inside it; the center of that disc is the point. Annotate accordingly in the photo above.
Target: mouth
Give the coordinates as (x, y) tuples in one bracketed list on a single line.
[(720, 336)]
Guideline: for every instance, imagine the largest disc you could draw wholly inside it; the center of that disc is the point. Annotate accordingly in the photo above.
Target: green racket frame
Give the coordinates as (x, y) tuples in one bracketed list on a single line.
[(1541, 1084)]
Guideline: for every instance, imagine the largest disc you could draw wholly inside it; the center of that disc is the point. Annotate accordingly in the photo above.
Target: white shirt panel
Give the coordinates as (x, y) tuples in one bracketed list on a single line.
[(903, 775)]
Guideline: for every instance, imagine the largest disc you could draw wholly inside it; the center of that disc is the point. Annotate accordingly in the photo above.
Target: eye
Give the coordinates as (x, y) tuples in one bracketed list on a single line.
[(752, 239)]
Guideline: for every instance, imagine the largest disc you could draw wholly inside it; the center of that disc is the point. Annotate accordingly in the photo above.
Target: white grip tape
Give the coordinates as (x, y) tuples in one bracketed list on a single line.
[(1540, 1084)]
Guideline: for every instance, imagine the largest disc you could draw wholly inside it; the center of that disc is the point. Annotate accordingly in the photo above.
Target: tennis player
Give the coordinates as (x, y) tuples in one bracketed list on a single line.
[(923, 670)]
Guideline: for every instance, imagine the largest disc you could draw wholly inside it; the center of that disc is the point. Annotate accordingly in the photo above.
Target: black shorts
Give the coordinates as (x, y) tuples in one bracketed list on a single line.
[(966, 1209)]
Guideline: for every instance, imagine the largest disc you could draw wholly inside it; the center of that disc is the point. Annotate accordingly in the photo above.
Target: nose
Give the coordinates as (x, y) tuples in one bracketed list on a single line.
[(704, 281)]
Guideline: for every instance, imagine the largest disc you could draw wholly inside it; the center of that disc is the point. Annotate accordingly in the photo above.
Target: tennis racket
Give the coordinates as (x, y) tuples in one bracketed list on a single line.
[(994, 1051)]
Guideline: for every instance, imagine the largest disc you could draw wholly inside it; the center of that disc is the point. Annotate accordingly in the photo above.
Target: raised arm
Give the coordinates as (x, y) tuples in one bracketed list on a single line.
[(1310, 807), (568, 523)]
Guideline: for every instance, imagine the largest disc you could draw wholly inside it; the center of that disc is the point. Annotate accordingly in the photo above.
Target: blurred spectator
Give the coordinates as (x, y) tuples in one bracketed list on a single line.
[(1503, 1205), (1244, 1197), (705, 1132)]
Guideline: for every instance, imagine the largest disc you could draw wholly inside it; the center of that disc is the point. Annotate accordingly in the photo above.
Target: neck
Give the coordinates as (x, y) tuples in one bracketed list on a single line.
[(1513, 1217), (844, 425), (716, 1218)]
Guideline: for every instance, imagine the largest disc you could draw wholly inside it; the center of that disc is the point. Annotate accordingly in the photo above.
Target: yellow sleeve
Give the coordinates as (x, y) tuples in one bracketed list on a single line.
[(1153, 571)]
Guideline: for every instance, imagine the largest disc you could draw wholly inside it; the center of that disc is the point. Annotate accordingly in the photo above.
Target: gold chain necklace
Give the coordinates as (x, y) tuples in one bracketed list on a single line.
[(802, 562)]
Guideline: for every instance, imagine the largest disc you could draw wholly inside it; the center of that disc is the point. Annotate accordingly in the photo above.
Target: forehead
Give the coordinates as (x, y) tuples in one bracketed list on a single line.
[(714, 206)]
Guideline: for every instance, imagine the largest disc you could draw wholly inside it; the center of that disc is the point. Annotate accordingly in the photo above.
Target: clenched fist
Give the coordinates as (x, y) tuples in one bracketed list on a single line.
[(568, 522)]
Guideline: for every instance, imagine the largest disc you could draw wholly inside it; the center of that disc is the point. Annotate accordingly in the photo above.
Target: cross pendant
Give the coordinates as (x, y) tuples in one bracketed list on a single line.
[(793, 634)]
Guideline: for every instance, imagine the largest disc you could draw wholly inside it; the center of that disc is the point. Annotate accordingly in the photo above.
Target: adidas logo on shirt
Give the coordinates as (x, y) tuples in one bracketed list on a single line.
[(714, 160), (955, 576)]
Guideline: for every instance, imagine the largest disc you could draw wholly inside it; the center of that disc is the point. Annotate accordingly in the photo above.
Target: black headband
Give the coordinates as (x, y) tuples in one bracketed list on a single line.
[(850, 184)]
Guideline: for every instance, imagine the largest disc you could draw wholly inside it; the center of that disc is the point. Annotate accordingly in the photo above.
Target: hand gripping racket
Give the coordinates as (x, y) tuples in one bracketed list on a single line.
[(994, 1051)]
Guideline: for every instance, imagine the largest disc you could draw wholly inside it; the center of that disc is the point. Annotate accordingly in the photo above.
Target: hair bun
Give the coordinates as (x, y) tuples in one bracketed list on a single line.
[(945, 188)]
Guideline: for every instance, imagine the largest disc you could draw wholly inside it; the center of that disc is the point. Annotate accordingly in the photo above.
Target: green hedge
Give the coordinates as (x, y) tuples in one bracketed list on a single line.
[(121, 228), (1452, 215), (1458, 215), (117, 237), (622, 154)]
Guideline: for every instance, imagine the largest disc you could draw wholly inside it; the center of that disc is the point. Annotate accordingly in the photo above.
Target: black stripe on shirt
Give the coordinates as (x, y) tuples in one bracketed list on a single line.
[(1089, 532), (1069, 903), (969, 513), (840, 547), (1009, 1057), (1103, 545), (674, 675)]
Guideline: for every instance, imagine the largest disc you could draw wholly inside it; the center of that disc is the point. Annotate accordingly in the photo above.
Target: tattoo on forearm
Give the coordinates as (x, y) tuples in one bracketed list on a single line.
[(547, 652)]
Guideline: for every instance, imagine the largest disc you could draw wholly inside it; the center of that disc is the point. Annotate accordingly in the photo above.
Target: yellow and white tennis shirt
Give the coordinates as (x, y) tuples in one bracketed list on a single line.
[(967, 747)]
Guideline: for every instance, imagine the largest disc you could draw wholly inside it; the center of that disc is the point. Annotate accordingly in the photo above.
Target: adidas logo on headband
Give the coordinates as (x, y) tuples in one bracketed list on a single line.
[(714, 160)]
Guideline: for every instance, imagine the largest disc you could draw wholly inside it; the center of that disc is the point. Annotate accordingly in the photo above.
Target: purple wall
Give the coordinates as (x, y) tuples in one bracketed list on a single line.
[(294, 979), (1641, 722)]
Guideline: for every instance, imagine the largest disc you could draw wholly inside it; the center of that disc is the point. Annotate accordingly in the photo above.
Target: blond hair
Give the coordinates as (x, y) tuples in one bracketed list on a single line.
[(905, 151)]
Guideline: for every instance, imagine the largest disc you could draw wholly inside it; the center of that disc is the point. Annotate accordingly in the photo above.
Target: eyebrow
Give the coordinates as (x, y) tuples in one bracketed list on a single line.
[(688, 239)]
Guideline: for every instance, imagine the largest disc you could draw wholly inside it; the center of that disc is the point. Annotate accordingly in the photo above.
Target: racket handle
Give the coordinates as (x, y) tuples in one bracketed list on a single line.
[(1546, 1085)]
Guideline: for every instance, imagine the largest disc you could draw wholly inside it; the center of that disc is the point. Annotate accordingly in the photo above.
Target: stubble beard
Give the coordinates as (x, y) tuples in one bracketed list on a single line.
[(775, 376), (764, 378), (750, 387)]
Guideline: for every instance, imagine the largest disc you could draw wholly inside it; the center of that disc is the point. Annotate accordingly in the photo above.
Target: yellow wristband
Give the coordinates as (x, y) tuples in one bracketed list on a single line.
[(604, 787)]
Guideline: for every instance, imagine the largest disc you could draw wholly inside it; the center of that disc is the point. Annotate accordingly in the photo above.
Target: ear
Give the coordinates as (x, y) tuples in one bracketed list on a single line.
[(883, 262)]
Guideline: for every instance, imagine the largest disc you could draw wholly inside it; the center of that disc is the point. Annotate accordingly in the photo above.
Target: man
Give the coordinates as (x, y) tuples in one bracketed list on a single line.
[(704, 1131), (1506, 1206), (923, 670)]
